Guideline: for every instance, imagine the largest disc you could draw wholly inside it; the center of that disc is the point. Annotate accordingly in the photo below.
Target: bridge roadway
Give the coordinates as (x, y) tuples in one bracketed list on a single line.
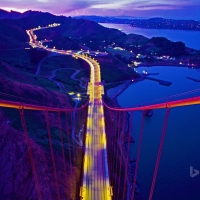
[(96, 185)]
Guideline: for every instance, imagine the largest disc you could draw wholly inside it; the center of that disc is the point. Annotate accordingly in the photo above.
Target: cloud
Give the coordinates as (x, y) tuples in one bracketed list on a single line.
[(101, 7), (155, 6), (137, 5), (43, 1)]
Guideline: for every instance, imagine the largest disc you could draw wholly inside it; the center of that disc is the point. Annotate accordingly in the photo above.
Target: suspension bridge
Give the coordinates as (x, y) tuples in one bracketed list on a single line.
[(108, 171)]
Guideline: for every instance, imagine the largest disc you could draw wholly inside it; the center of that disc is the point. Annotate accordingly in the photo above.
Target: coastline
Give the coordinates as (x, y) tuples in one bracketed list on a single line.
[(113, 93)]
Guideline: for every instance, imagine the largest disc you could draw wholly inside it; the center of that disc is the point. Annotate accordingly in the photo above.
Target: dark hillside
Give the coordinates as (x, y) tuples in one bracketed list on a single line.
[(12, 36), (31, 19), (9, 15), (168, 47)]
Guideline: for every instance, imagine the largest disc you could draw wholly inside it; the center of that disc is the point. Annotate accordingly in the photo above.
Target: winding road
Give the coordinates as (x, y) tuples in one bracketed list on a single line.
[(96, 184)]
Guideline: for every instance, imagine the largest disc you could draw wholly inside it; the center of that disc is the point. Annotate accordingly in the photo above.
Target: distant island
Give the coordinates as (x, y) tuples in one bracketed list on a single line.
[(152, 23)]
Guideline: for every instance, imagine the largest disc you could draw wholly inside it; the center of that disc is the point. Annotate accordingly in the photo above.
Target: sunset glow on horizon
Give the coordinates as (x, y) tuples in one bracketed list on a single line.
[(143, 8)]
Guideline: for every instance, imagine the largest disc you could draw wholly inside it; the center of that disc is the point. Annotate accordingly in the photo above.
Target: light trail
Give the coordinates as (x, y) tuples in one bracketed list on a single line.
[(96, 184)]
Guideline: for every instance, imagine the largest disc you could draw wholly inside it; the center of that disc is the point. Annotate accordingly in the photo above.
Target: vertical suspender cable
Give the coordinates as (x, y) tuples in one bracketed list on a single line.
[(108, 143), (114, 146), (117, 147), (30, 153), (112, 150), (127, 158), (121, 153), (159, 153), (130, 133), (138, 155), (52, 153), (62, 145), (111, 146), (72, 126), (69, 145)]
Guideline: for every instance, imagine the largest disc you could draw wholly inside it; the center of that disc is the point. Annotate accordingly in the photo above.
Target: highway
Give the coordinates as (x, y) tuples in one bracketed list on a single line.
[(96, 185)]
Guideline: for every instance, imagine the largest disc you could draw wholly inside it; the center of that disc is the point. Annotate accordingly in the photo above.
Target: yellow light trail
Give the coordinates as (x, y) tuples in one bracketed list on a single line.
[(96, 184)]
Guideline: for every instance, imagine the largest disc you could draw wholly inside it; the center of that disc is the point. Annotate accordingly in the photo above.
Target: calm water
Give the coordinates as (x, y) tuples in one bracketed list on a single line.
[(182, 142), (190, 38)]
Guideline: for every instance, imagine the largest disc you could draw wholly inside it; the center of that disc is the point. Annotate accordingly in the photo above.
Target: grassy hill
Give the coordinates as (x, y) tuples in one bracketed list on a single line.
[(19, 83)]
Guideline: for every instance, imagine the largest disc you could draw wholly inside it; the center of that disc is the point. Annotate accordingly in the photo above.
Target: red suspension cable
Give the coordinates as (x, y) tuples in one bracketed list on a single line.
[(26, 106), (69, 145), (121, 154), (117, 146), (30, 153), (138, 156), (52, 153), (72, 124), (127, 158), (159, 153), (114, 142), (62, 145), (171, 104)]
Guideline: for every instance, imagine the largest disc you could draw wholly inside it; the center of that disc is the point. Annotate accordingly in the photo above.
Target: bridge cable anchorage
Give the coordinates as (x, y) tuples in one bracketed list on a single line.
[(21, 111), (52, 152), (62, 144), (159, 151), (68, 137), (138, 155), (127, 159)]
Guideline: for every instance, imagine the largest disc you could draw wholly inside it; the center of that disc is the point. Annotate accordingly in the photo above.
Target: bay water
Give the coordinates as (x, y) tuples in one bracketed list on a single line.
[(181, 150)]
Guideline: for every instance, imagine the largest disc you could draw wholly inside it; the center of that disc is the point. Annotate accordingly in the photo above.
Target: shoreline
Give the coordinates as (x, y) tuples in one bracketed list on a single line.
[(113, 93), (166, 65)]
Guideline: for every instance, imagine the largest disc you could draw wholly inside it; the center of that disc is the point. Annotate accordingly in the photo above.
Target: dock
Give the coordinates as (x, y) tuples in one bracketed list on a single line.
[(193, 79), (161, 82)]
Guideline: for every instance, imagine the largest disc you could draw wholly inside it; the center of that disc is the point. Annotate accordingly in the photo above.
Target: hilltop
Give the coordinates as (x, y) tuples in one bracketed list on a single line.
[(9, 15)]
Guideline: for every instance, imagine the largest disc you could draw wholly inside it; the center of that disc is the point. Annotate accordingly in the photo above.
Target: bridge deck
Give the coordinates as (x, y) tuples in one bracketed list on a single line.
[(96, 179), (96, 184)]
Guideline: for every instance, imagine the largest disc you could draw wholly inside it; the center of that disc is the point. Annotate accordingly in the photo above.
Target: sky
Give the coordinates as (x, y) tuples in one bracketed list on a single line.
[(178, 9)]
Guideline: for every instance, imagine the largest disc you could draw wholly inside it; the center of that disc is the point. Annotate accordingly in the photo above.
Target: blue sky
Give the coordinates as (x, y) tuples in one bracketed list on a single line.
[(182, 9)]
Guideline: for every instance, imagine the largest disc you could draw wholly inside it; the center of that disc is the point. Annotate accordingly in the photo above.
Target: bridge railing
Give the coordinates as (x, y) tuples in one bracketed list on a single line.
[(51, 142), (121, 138)]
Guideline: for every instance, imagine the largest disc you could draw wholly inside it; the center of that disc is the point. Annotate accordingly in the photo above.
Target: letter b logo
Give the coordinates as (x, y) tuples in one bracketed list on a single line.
[(193, 172)]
